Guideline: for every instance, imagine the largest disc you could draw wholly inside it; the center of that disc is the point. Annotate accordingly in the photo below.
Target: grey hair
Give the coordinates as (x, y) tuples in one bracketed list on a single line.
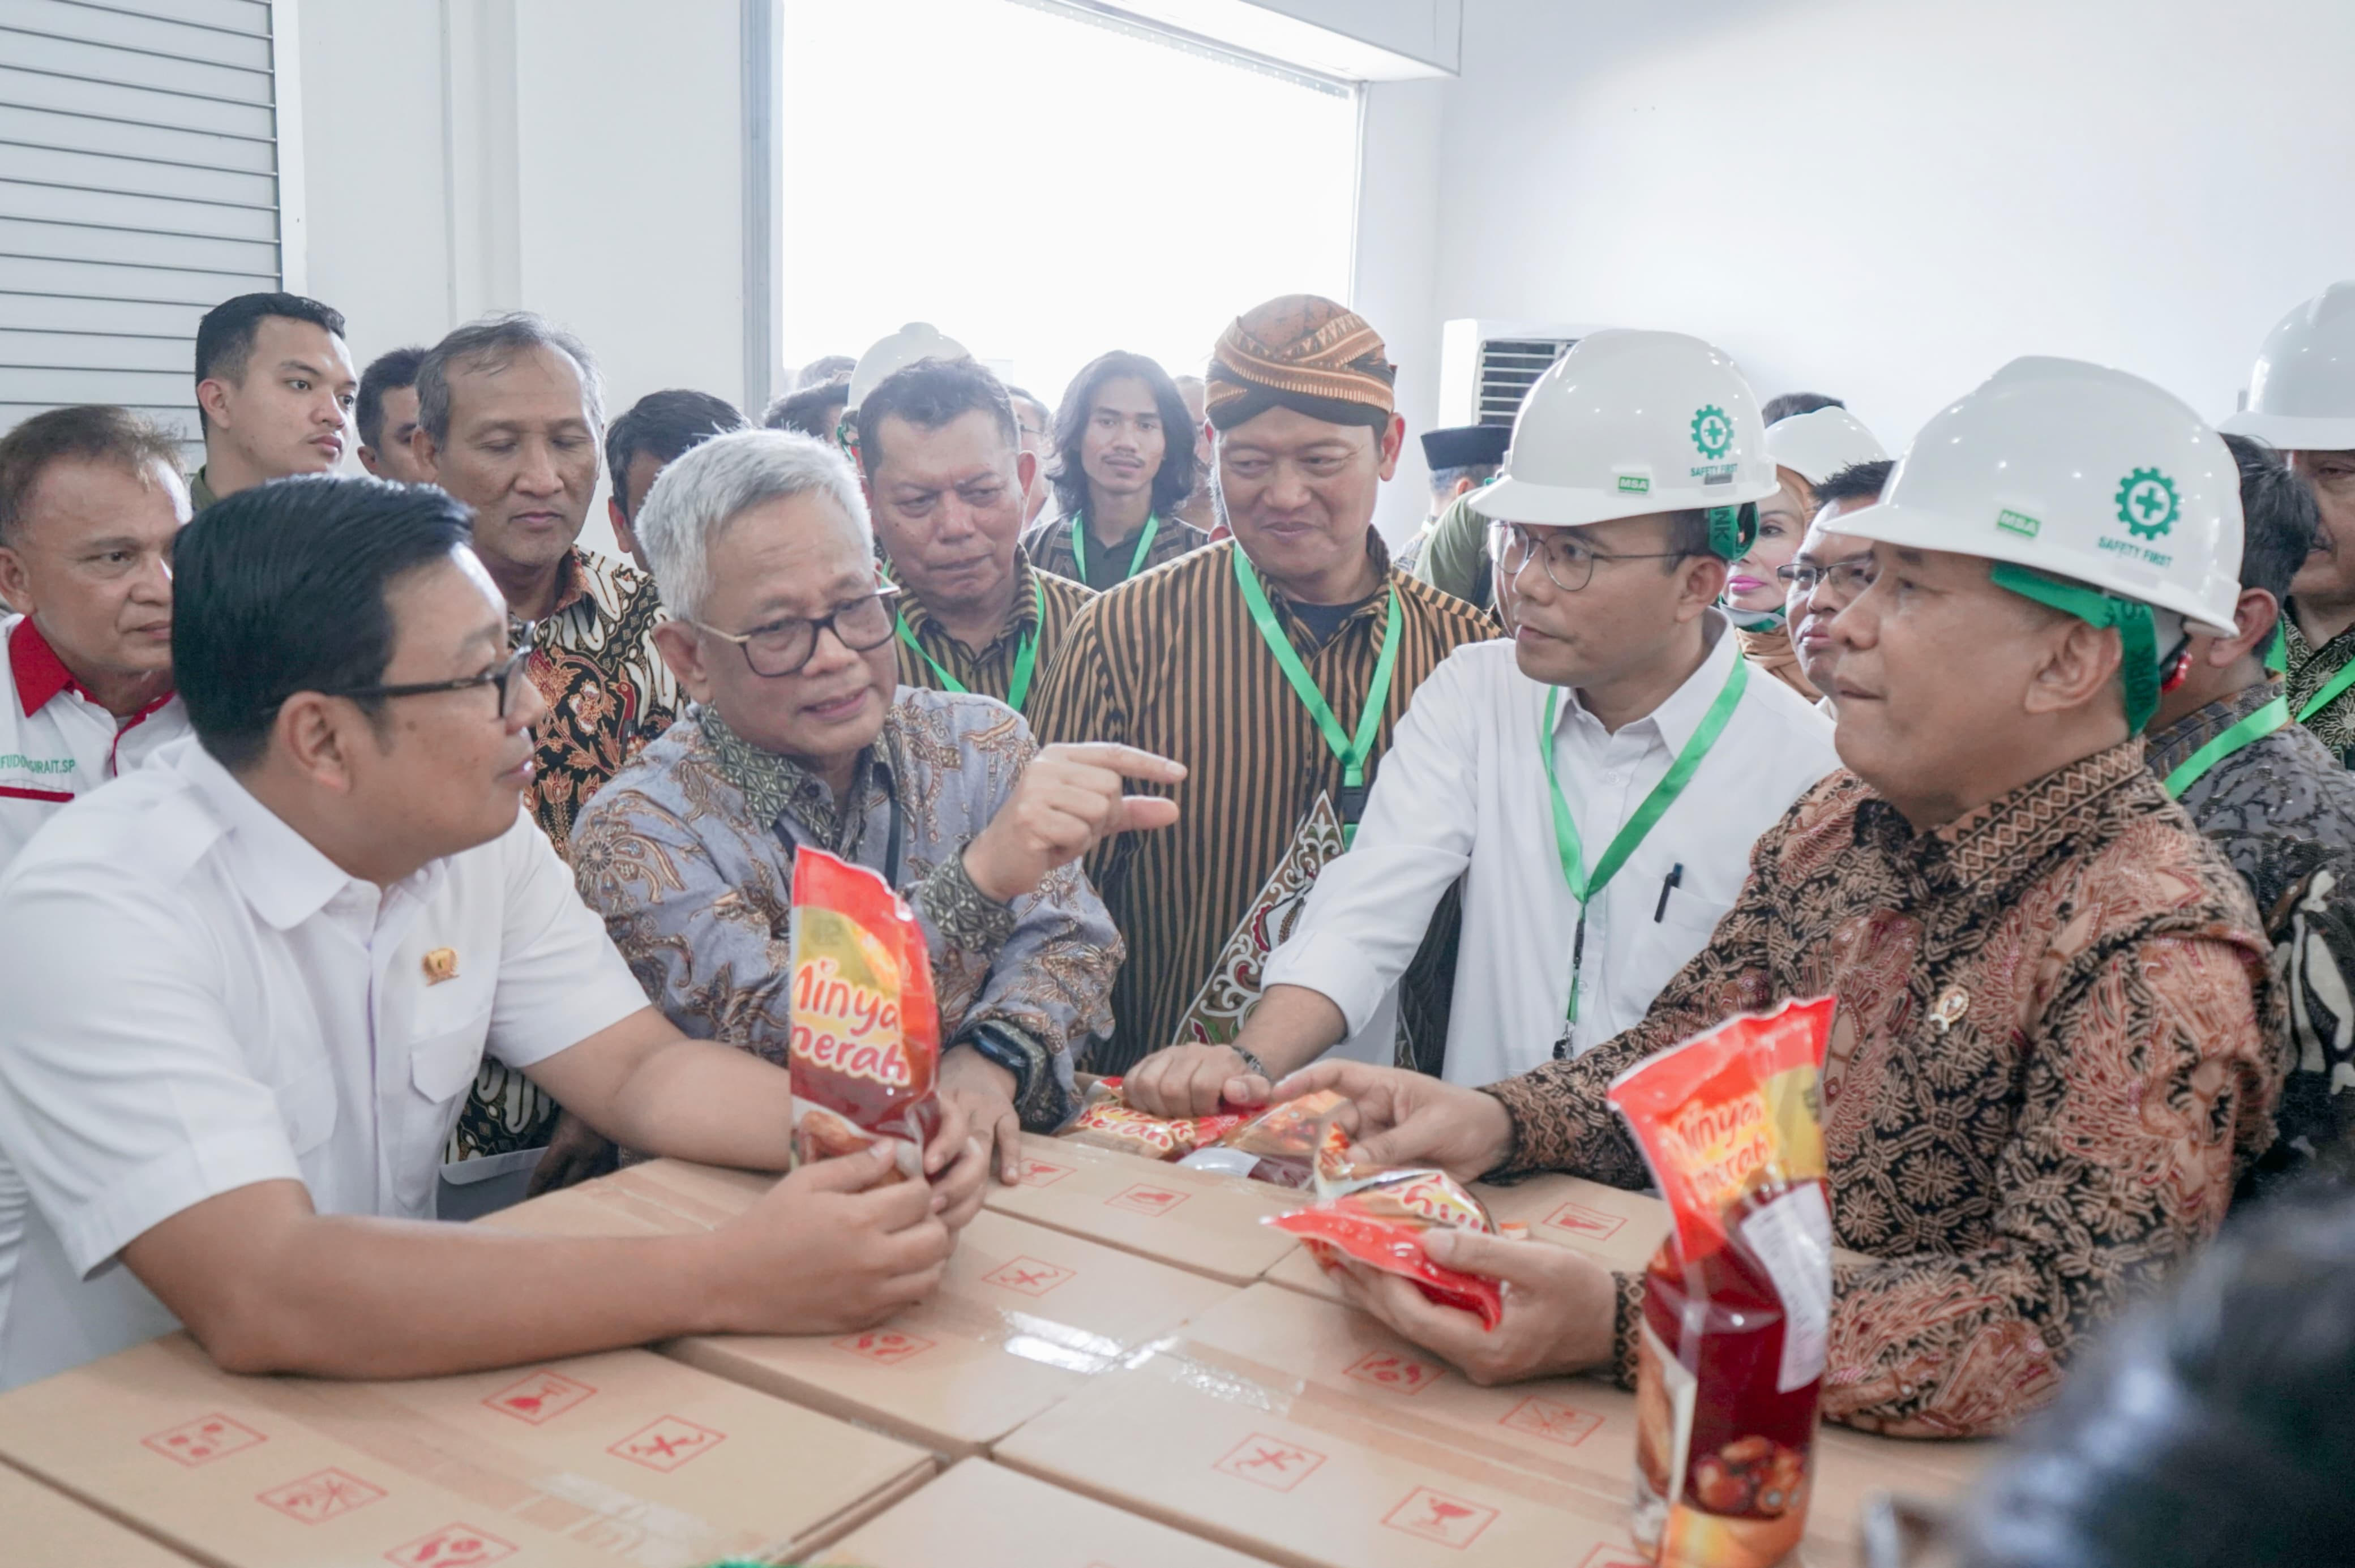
[(697, 498), (493, 343)]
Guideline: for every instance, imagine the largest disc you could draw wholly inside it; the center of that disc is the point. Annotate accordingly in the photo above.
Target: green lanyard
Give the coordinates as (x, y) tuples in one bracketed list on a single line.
[(2272, 716), (1136, 562), (1352, 753), (1585, 888), (1025, 656), (2331, 690)]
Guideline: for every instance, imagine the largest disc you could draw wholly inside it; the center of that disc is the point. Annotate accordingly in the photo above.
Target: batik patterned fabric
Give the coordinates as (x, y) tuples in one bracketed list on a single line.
[(1302, 352), (1043, 602), (608, 693), (2282, 811), (2058, 1044), (1048, 545), (2309, 670), (684, 858)]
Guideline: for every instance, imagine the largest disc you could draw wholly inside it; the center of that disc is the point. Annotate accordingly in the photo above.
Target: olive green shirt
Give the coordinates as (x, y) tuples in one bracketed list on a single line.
[(1454, 554)]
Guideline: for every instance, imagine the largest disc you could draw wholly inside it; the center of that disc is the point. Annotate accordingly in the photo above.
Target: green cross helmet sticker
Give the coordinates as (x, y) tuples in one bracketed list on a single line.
[(2147, 504), (1712, 432)]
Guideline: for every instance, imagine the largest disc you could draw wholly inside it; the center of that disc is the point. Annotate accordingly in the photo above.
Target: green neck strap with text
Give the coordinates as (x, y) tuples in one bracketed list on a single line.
[(2254, 728), (1352, 752), (1136, 562), (1585, 885), (1025, 656)]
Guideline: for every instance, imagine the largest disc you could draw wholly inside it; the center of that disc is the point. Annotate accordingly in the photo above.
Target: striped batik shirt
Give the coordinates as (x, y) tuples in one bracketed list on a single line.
[(1049, 544), (990, 671), (1171, 661)]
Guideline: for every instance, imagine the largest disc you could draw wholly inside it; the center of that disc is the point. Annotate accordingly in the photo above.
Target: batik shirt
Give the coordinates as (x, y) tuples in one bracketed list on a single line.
[(1048, 545), (686, 856), (2282, 811), (608, 693), (1043, 606), (2057, 1046), (2310, 669)]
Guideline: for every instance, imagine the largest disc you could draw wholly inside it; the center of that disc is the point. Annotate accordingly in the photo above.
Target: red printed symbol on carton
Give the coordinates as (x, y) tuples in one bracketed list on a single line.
[(1385, 1370), (1552, 1419), (452, 1546), (1579, 1220), (540, 1398), (667, 1443), (1615, 1557), (1031, 1277), (316, 1499), (1436, 1516), (203, 1440), (883, 1345), (1039, 1173), (1271, 1462), (1142, 1199)]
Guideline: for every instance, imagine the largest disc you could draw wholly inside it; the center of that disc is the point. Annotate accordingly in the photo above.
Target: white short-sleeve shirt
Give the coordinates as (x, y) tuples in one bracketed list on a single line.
[(56, 744), (197, 1000)]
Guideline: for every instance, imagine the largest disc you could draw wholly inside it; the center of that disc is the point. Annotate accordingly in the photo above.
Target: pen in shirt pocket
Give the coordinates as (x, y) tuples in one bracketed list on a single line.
[(1674, 880)]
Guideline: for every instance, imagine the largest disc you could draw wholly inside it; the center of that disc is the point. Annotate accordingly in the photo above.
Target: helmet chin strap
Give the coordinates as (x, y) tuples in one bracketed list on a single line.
[(2137, 625)]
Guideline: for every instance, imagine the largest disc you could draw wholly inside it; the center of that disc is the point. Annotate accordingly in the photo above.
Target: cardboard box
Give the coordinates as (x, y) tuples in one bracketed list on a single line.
[(1304, 1433), (981, 1516), (46, 1528), (1026, 1315), (624, 1456), (1197, 1220)]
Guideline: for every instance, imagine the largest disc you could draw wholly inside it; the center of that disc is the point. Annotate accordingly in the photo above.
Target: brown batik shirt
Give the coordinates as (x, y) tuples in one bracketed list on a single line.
[(1043, 602), (1172, 662), (1049, 544), (2057, 1044), (608, 693)]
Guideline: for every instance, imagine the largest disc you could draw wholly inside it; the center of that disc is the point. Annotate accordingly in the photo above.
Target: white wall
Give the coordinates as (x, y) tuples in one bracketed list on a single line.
[(1395, 269), (570, 155), (1886, 200)]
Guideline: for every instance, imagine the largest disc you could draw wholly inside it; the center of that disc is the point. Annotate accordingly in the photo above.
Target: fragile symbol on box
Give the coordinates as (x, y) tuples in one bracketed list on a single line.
[(1579, 1220), (452, 1546), (540, 1398), (1271, 1462), (316, 1499), (203, 1440), (1436, 1516), (1615, 1557), (1039, 1173), (1386, 1370), (667, 1443), (1552, 1419), (1031, 1277), (883, 1345), (1142, 1199)]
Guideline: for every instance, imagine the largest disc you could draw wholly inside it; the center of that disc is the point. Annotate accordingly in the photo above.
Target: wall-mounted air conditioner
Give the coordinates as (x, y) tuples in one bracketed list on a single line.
[(1486, 367)]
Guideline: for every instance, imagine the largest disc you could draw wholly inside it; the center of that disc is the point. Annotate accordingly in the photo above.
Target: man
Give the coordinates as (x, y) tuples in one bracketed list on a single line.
[(1621, 726), (803, 734), (1805, 449), (912, 344), (1460, 459), (1200, 509), (248, 984), (1036, 424), (1122, 464), (2275, 800), (1274, 668), (2058, 1033), (2302, 401), (90, 503), (386, 416), (509, 415), (274, 392), (946, 476), (657, 430), (1830, 570), (814, 411)]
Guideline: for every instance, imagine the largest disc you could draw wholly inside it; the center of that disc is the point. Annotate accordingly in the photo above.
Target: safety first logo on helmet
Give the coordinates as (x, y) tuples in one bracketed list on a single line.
[(1712, 437), (2147, 505)]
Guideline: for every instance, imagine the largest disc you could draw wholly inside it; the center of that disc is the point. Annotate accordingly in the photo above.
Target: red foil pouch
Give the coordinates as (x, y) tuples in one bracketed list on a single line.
[(1108, 1121), (1737, 1302), (1297, 1142), (1381, 1220), (865, 1045)]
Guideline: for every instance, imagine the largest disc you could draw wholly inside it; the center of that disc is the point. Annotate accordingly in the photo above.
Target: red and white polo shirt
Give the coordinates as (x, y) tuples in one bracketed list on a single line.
[(56, 742)]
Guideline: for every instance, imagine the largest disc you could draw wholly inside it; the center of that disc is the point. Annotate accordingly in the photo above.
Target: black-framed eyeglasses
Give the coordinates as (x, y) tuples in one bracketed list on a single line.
[(782, 647), (1562, 554), (1846, 579), (508, 675)]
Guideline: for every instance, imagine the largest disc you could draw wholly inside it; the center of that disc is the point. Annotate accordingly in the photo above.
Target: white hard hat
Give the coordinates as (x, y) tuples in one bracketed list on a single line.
[(1628, 424), (1818, 445), (2078, 471), (2302, 393), (916, 341)]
